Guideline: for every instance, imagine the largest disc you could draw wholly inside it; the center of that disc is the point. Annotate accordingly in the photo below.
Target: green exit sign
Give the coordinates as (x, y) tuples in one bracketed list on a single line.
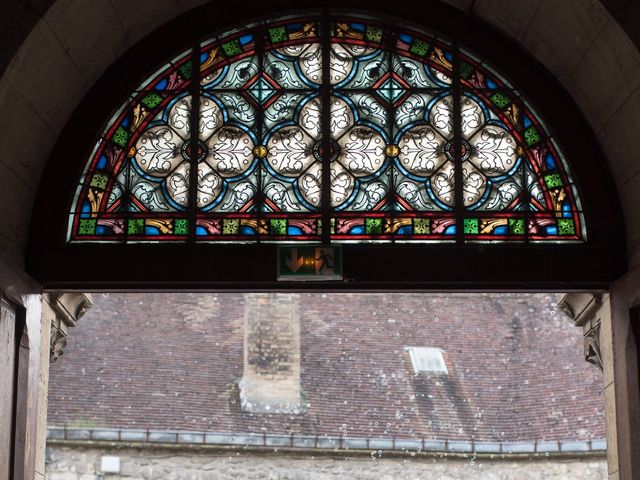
[(305, 262)]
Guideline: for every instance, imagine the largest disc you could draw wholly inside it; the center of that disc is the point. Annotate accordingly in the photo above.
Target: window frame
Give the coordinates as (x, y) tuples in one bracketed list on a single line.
[(57, 264)]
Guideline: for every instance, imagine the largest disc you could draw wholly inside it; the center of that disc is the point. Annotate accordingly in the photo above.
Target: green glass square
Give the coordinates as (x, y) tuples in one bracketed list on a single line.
[(181, 226), (99, 180), (421, 226), (120, 137), (516, 226), (373, 34), (87, 226), (500, 100), (566, 226), (420, 48), (553, 180), (465, 70), (278, 226), (471, 226), (278, 34), (232, 48), (373, 226), (531, 136), (152, 100), (186, 69), (135, 226), (230, 226)]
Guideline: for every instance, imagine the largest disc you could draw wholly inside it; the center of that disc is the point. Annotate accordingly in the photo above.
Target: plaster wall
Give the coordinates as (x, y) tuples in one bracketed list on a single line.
[(68, 463)]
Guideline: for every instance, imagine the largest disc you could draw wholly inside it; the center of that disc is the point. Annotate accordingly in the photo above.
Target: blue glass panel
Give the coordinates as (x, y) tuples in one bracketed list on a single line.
[(550, 162), (102, 162), (86, 210)]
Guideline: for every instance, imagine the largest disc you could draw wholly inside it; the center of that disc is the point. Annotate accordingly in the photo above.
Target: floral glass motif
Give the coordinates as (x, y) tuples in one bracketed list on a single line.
[(239, 148)]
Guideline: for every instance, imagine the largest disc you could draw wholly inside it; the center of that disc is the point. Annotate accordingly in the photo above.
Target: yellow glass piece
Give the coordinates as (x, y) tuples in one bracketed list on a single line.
[(215, 56), (260, 226), (95, 198), (487, 226), (309, 30), (392, 150), (437, 55), (260, 151), (139, 114), (394, 225), (513, 112), (165, 226)]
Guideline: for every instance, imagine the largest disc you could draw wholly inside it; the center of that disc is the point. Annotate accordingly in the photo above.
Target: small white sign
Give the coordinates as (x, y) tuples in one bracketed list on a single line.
[(110, 464)]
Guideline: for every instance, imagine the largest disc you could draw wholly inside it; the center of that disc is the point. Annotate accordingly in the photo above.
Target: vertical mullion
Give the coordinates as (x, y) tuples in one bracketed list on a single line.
[(259, 201), (525, 189), (126, 201), (192, 205), (325, 126), (391, 121), (457, 146)]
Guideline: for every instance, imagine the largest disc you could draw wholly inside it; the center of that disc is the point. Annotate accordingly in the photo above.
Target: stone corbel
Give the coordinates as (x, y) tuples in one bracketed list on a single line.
[(57, 344), (592, 345), (585, 310), (64, 310)]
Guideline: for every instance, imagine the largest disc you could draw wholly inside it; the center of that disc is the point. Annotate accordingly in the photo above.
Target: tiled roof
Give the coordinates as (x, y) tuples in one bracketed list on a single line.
[(172, 361)]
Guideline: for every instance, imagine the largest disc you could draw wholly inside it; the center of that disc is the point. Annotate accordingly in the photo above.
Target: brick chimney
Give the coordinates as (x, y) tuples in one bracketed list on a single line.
[(271, 377)]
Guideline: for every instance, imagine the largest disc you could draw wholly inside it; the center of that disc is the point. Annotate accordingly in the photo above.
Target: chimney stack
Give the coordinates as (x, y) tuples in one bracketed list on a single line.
[(271, 378)]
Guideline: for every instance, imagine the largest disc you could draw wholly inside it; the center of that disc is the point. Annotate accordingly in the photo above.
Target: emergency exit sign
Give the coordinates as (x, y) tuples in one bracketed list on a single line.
[(304, 262)]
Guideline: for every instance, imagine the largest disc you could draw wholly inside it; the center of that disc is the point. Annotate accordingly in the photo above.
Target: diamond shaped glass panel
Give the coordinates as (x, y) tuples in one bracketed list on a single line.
[(391, 90), (261, 90)]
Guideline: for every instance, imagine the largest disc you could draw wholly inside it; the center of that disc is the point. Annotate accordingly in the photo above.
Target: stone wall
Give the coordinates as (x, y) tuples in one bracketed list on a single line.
[(77, 463)]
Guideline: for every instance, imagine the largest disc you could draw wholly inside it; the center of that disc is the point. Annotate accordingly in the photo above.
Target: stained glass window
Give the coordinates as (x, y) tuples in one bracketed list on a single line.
[(326, 129)]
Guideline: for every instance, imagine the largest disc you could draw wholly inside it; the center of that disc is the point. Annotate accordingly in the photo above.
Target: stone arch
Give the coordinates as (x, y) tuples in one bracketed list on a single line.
[(583, 46), (54, 67), (548, 264)]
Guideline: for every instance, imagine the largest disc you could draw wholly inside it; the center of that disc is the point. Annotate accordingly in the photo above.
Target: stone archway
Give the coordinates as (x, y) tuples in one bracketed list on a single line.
[(56, 64)]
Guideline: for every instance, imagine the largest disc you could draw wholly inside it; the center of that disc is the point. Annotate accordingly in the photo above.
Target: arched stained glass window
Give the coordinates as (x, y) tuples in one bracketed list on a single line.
[(326, 129)]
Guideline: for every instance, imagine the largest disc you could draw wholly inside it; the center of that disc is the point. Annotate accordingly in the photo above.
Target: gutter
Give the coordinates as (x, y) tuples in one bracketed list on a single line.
[(130, 438)]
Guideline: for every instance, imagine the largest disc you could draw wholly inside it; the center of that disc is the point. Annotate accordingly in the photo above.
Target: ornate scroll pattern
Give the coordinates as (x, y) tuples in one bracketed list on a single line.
[(296, 154), (488, 151), (165, 152), (388, 150)]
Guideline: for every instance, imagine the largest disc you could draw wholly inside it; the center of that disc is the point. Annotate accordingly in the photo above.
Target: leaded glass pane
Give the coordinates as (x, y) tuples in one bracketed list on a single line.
[(295, 123)]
